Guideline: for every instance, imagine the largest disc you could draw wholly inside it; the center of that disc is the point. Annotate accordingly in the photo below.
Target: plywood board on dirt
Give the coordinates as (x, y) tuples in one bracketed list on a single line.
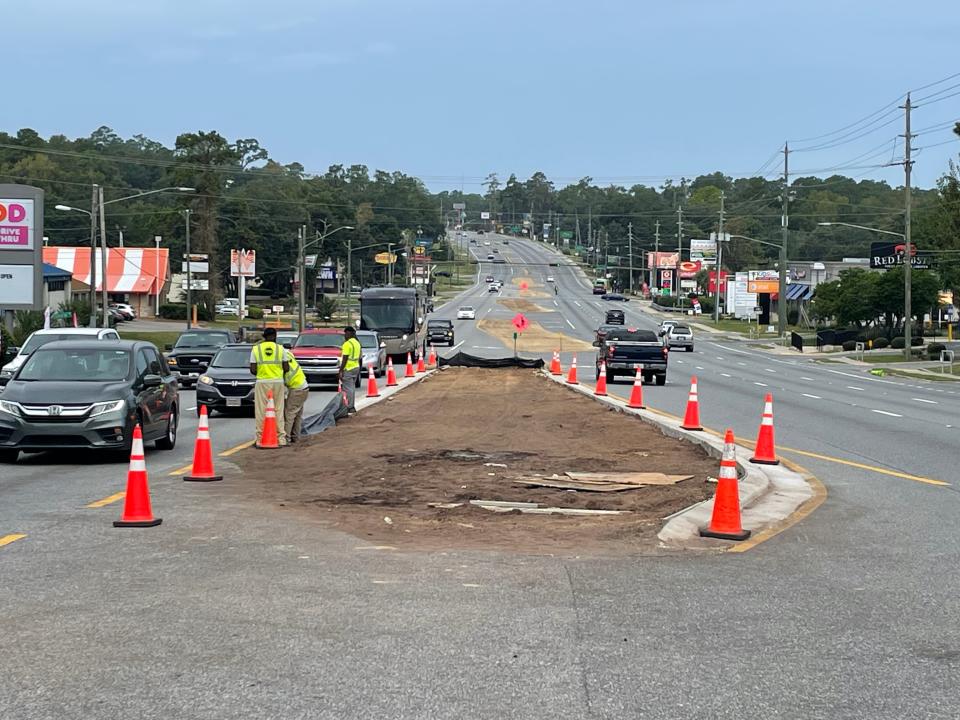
[(627, 478), (573, 485)]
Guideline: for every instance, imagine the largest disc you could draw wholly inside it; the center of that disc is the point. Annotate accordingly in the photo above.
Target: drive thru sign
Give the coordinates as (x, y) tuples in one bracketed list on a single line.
[(520, 322)]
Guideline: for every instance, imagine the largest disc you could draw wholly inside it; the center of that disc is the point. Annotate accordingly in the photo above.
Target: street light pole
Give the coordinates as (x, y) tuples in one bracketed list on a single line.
[(186, 214), (782, 287), (93, 260), (908, 250), (716, 300), (349, 278), (103, 256), (302, 276)]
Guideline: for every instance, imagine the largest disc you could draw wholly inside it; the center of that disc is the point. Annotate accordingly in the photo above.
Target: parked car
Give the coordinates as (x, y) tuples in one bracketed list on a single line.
[(40, 338), (233, 310), (124, 309), (227, 384), (614, 317), (374, 353), (466, 313), (89, 394), (440, 332), (614, 297), (318, 353), (624, 349), (190, 356), (679, 336)]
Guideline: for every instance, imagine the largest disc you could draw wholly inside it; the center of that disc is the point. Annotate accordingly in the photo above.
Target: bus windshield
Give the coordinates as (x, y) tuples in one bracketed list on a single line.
[(388, 314)]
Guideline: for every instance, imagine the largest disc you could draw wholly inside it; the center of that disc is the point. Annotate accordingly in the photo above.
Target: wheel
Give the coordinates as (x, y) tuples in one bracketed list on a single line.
[(690, 349), (169, 440), (610, 376), (661, 379), (8, 457)]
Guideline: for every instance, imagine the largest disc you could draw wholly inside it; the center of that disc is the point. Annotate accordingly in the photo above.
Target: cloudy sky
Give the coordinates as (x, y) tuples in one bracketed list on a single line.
[(624, 91)]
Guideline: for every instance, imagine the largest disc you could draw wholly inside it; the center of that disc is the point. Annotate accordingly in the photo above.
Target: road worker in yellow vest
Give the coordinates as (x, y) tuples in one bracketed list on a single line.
[(269, 363), (350, 355), (297, 392)]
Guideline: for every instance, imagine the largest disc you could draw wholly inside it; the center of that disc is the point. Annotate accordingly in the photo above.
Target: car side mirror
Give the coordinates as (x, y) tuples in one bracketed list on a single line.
[(152, 381), (288, 345), (168, 348), (596, 343)]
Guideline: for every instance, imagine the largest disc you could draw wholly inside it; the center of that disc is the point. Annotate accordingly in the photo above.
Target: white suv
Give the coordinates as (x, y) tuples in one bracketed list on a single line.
[(42, 337)]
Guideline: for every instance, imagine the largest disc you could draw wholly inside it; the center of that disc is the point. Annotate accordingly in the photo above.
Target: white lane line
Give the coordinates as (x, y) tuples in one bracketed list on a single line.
[(932, 402), (455, 346), (760, 384), (554, 302), (815, 397), (802, 377), (577, 304), (730, 349), (767, 369), (726, 374), (679, 361), (572, 326), (718, 357), (190, 408), (696, 366), (861, 377), (853, 387), (884, 412), (739, 363)]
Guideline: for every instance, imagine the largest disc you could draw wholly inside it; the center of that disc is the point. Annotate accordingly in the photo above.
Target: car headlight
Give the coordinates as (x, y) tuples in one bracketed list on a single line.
[(171, 361), (206, 380), (10, 408), (107, 407)]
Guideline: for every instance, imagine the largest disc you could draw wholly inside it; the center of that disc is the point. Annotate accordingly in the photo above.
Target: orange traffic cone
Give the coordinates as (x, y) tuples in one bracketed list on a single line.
[(601, 388), (636, 395), (391, 374), (765, 452), (268, 437), (202, 470), (372, 389), (421, 366), (555, 368), (691, 419), (136, 504), (409, 373), (725, 521), (572, 375), (432, 360)]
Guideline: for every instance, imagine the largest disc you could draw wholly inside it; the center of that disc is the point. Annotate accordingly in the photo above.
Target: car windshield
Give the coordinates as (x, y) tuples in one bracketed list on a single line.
[(368, 341), (232, 358), (189, 340), (681, 330), (317, 340), (37, 340), (287, 338), (76, 365), (387, 314), (466, 308), (625, 335), (439, 324)]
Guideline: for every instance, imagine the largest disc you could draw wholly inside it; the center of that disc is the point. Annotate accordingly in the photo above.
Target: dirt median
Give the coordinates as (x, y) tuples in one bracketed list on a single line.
[(535, 338), (470, 434)]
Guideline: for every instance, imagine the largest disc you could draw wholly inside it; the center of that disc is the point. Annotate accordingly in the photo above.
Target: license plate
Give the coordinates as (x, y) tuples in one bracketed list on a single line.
[(234, 402)]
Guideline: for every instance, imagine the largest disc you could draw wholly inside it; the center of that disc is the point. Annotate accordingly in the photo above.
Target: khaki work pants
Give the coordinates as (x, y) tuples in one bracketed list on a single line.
[(293, 412), (278, 388)]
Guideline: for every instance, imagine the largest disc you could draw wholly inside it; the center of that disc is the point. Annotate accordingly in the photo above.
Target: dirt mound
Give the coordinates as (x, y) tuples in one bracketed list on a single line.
[(535, 338), (469, 434), (524, 306)]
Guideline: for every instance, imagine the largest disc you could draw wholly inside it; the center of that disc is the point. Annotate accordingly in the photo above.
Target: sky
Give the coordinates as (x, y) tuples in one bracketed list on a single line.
[(623, 91)]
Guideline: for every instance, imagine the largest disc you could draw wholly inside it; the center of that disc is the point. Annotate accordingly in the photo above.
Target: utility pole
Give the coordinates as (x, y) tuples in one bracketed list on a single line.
[(782, 287), (350, 278), (93, 256), (301, 276), (630, 252), (186, 214), (656, 255), (679, 245), (908, 246), (716, 302), (103, 255)]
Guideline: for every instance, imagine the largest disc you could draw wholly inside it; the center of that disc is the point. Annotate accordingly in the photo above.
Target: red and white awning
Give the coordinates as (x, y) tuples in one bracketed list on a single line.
[(129, 270)]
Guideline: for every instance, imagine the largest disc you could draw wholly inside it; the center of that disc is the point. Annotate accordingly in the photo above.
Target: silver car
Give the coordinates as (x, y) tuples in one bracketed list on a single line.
[(374, 353), (679, 336)]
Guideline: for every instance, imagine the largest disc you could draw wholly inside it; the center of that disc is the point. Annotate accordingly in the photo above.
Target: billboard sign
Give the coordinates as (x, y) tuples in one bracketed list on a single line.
[(484, 216), (739, 298), (666, 279), (459, 206), (386, 258), (704, 251), (663, 259), (243, 263), (763, 281), (688, 269), (886, 255), (16, 283), (16, 224)]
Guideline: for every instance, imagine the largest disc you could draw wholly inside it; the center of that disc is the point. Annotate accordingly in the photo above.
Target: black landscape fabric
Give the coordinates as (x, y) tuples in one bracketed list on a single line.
[(326, 418), (464, 360)]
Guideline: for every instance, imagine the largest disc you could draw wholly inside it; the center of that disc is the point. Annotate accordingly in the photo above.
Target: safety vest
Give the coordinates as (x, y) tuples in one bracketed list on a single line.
[(269, 357), (294, 377), (351, 349)]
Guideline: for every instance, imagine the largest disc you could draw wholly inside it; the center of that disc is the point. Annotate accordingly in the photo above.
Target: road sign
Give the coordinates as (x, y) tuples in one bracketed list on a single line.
[(196, 267), (310, 261), (385, 258), (278, 308), (243, 263), (459, 206), (520, 322), (484, 216)]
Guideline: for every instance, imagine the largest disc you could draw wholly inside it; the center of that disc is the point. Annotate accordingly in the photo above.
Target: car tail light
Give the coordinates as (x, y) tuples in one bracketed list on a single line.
[(665, 351), (611, 349)]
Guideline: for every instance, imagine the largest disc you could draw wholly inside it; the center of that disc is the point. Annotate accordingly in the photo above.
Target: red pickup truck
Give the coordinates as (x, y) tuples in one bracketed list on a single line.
[(318, 353)]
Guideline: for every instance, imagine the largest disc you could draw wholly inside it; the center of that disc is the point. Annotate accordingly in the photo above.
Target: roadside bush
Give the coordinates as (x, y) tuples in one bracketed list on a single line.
[(898, 343), (916, 340), (850, 345), (880, 343), (934, 350), (793, 316), (24, 323), (254, 312), (178, 311)]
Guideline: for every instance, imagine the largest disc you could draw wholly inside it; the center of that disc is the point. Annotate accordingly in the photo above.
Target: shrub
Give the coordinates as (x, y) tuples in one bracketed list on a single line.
[(178, 311), (793, 316), (254, 312), (934, 350), (916, 340), (898, 343), (880, 343), (850, 345)]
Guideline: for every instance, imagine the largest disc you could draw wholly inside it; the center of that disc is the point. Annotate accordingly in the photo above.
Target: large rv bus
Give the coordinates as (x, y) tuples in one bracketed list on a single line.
[(398, 314)]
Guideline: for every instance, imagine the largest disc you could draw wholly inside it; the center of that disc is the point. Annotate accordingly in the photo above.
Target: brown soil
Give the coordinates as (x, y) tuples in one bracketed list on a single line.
[(524, 306), (431, 442), (535, 338)]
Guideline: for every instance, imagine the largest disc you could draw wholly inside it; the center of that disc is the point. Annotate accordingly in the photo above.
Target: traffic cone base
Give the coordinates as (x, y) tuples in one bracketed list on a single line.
[(572, 375), (268, 436), (136, 503), (202, 468), (636, 395), (725, 518), (372, 389)]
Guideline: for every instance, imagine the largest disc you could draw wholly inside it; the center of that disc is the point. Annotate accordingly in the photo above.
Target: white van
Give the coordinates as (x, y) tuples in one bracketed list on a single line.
[(42, 337)]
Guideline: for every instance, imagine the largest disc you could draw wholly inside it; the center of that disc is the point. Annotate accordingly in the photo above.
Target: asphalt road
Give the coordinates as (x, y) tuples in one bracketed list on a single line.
[(228, 611)]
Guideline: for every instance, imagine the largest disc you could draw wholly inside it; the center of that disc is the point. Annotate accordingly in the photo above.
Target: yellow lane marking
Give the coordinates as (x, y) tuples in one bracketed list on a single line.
[(13, 537), (871, 468), (238, 448), (107, 500), (181, 471)]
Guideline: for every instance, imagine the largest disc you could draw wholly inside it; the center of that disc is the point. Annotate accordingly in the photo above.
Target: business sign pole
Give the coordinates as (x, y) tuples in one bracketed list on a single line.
[(21, 247)]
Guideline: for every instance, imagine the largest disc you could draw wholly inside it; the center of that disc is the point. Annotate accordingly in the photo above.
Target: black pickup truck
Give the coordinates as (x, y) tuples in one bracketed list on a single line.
[(189, 357), (624, 349)]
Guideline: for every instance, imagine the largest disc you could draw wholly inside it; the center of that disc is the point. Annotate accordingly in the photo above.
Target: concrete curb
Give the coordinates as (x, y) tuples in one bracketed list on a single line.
[(386, 393), (769, 494)]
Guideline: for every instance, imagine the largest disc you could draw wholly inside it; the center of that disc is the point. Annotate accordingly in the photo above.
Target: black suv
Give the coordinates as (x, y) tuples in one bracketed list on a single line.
[(189, 357), (440, 331), (89, 394), (614, 317), (227, 384)]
